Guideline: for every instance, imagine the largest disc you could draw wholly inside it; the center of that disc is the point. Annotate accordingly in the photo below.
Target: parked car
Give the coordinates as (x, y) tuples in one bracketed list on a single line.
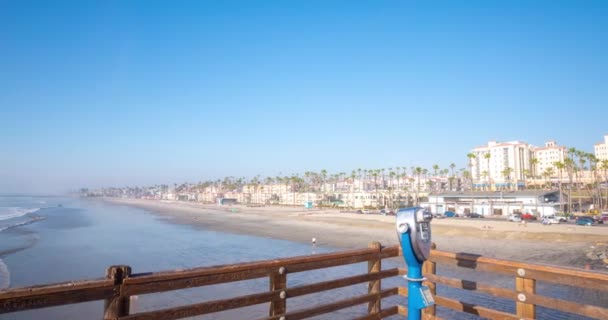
[(562, 218), (550, 220), (450, 214), (438, 216), (514, 217), (585, 221), (473, 215), (528, 216), (604, 218), (366, 211), (359, 212), (385, 212)]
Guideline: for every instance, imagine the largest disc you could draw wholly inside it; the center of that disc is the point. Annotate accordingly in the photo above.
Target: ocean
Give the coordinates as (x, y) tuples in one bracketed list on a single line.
[(52, 239)]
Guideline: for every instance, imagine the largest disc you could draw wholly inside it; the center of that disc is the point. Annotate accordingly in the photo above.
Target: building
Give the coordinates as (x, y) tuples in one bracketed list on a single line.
[(546, 158), (499, 203), (501, 164), (601, 149)]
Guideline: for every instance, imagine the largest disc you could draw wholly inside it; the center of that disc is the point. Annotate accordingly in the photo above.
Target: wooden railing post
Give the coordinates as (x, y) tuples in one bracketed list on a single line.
[(278, 281), (374, 286), (524, 286), (430, 267), (118, 305)]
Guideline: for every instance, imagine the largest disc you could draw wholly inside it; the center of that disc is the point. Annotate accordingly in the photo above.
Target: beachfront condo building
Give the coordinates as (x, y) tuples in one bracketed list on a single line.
[(601, 149), (501, 164), (546, 157)]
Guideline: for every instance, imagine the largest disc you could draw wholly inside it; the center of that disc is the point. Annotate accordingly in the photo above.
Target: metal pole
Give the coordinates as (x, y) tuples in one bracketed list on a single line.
[(414, 277)]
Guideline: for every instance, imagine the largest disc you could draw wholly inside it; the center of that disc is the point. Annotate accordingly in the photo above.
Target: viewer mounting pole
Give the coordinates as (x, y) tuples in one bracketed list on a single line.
[(414, 233)]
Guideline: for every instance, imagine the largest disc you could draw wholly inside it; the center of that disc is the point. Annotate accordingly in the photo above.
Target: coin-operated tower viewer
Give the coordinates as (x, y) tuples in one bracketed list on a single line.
[(414, 233)]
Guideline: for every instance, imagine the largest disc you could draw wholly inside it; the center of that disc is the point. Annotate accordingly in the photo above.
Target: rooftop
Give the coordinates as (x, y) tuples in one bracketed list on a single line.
[(506, 194)]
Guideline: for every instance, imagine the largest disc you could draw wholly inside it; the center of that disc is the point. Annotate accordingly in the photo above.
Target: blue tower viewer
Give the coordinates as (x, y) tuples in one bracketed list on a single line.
[(414, 233)]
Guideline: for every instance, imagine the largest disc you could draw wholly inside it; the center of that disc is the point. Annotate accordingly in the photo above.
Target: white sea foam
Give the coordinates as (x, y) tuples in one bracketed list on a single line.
[(15, 212), (20, 223), (5, 276)]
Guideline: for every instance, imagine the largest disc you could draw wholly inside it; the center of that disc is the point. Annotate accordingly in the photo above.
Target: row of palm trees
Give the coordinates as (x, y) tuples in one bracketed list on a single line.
[(395, 180), (573, 166)]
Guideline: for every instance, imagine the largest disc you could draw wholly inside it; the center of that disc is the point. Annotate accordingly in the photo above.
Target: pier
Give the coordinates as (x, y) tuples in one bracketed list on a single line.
[(121, 283)]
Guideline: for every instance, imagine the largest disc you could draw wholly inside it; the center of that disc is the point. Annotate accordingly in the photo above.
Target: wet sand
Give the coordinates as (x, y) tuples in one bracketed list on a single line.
[(564, 244)]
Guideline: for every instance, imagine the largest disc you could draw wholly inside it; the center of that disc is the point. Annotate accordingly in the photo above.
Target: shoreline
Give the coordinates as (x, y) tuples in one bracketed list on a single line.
[(562, 245)]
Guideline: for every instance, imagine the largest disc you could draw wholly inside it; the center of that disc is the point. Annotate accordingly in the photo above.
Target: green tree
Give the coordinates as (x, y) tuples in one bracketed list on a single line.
[(487, 156), (560, 166)]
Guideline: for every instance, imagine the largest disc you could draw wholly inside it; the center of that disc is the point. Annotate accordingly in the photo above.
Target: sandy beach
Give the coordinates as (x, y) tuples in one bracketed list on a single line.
[(564, 244)]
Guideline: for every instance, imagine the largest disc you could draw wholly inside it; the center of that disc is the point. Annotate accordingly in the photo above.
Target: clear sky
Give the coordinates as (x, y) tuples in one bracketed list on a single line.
[(115, 93)]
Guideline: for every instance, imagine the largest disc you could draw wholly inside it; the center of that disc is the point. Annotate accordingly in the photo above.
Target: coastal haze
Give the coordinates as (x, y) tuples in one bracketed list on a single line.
[(177, 135)]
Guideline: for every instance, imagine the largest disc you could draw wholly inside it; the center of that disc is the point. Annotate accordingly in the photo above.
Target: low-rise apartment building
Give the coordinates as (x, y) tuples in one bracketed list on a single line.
[(499, 203)]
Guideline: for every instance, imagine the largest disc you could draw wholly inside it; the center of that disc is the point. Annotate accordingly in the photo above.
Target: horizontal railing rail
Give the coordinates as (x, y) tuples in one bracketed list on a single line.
[(525, 276), (121, 284)]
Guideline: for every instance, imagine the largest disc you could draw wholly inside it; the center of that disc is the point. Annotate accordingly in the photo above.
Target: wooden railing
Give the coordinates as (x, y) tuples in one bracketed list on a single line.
[(120, 284)]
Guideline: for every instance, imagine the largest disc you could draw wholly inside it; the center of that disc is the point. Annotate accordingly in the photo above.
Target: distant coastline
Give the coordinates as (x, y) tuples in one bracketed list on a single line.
[(563, 245)]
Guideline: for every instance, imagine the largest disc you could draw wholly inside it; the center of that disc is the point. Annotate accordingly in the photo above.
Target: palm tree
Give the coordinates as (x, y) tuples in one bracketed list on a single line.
[(533, 163), (487, 156), (418, 172), (471, 157), (435, 169), (604, 167), (560, 167), (548, 173), (506, 173)]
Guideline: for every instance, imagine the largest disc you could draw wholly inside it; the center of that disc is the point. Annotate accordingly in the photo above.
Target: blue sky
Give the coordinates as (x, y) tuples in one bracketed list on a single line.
[(114, 93)]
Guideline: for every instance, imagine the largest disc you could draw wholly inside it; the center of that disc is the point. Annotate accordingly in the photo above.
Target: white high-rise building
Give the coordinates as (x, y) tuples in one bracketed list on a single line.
[(488, 167), (601, 149), (547, 156)]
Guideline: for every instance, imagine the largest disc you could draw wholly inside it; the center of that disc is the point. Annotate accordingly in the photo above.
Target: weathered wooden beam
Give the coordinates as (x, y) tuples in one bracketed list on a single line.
[(55, 295), (586, 310), (204, 307), (339, 283), (118, 304), (274, 263), (559, 275), (475, 309), (278, 282), (374, 286), (162, 284), (331, 307), (473, 286), (428, 270), (380, 315)]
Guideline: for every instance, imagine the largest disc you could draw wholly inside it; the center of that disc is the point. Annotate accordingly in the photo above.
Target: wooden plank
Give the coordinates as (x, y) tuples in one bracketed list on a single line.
[(560, 275), (100, 291), (118, 304), (474, 309), (55, 288), (402, 291), (232, 268), (331, 307), (473, 286), (204, 307), (569, 307), (338, 283), (374, 286), (380, 315), (278, 282), (402, 310), (524, 308), (428, 270), (306, 266), (162, 285)]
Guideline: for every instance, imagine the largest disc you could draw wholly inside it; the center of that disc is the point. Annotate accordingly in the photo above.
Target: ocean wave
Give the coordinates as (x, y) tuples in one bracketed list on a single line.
[(5, 276), (15, 212), (21, 223)]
